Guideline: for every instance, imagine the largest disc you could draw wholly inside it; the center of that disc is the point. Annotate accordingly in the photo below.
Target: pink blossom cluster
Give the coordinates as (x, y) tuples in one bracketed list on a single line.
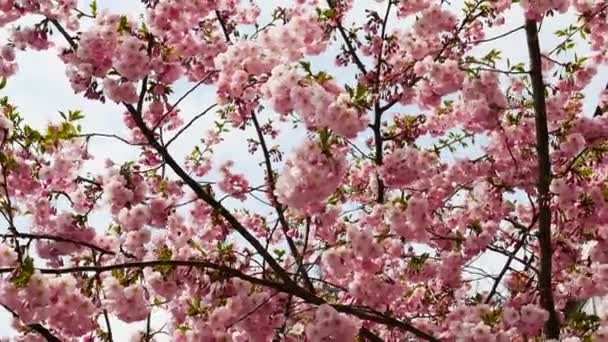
[(8, 67), (8, 256), (30, 38), (176, 18), (131, 59), (331, 325), (482, 103), (405, 166), (319, 105), (123, 189), (61, 225), (275, 46), (128, 303), (176, 23), (424, 38), (310, 175), (433, 20), (374, 290), (337, 262), (535, 9), (443, 78), (56, 300), (95, 53), (407, 7), (235, 185), (596, 26), (410, 222)]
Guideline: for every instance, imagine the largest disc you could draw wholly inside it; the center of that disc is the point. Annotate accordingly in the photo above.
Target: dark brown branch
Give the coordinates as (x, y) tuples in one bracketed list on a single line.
[(275, 202), (202, 194), (289, 286), (363, 313), (192, 121), (223, 26), (225, 270), (57, 239), (369, 335), (65, 34), (136, 114), (182, 98), (599, 110), (502, 35), (38, 328), (502, 273), (349, 44), (378, 317), (377, 126), (552, 325), (104, 135)]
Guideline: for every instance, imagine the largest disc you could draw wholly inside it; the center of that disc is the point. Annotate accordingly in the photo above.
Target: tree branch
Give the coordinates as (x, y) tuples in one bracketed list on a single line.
[(377, 126), (552, 325), (202, 194), (57, 239), (288, 285), (349, 45), (194, 119), (39, 328), (599, 110), (275, 202), (360, 312)]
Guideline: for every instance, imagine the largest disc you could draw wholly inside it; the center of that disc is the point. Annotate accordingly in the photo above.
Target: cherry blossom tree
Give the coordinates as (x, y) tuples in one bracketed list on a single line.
[(442, 191)]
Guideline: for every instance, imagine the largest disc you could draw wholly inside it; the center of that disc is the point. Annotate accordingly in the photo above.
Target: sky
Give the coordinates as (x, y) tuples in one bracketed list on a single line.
[(40, 90)]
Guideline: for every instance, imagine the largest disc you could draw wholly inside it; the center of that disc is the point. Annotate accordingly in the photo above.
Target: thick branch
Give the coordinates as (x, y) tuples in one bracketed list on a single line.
[(202, 194), (223, 26), (65, 34), (363, 313), (287, 286), (552, 326), (290, 286), (377, 126)]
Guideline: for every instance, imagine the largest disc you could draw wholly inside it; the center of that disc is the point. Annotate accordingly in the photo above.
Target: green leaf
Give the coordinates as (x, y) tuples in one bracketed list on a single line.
[(75, 115), (491, 318), (124, 277), (417, 262), (7, 161), (475, 226), (2, 83), (164, 254), (123, 25), (183, 328), (327, 13), (194, 307), (322, 77), (306, 66), (360, 95), (24, 274), (279, 252), (93, 7), (582, 322)]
